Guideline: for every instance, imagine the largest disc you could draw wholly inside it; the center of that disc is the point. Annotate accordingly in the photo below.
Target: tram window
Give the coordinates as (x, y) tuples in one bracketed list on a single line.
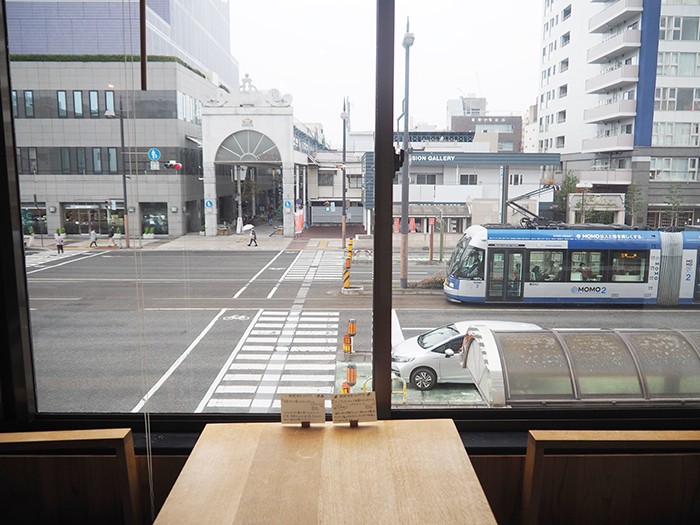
[(546, 265), (587, 266), (629, 266), (471, 264)]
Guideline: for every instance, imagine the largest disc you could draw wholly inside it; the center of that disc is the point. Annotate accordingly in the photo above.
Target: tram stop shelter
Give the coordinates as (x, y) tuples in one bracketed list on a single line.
[(584, 367)]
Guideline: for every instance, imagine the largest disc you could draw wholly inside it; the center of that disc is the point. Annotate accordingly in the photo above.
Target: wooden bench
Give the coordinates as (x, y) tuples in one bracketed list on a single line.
[(72, 476), (612, 477)]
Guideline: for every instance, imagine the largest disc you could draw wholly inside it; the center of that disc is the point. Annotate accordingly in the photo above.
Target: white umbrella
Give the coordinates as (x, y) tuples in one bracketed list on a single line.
[(248, 227)]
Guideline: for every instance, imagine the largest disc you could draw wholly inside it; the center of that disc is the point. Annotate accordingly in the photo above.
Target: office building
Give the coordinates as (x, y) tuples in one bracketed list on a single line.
[(74, 65), (618, 100)]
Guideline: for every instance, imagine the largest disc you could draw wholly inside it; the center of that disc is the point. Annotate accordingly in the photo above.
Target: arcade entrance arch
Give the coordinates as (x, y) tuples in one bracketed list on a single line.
[(248, 173)]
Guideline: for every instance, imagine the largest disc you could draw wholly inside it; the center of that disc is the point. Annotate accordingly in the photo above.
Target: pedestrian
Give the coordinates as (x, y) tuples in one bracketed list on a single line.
[(59, 243), (93, 239), (111, 242), (253, 237)]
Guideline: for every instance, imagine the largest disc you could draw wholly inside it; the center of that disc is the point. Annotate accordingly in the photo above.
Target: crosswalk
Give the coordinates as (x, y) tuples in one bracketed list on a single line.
[(285, 352), (33, 260), (324, 265)]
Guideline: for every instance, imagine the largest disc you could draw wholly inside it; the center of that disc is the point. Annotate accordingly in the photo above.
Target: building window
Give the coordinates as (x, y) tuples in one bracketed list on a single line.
[(560, 141), (665, 99), (96, 160), (468, 179), (62, 104), (355, 181), (494, 128), (565, 39), (33, 161), (15, 110), (78, 104), (673, 169), (515, 179), (112, 160), (425, 179), (563, 90), (65, 160), (561, 116), (325, 178), (80, 160), (94, 104), (109, 100), (566, 13), (505, 145), (564, 65), (29, 104)]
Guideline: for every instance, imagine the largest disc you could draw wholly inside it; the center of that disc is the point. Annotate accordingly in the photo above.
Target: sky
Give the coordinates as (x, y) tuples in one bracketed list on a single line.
[(321, 51)]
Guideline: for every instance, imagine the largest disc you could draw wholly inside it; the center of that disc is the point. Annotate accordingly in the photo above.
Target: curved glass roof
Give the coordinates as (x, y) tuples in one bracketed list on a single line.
[(247, 146), (594, 366)]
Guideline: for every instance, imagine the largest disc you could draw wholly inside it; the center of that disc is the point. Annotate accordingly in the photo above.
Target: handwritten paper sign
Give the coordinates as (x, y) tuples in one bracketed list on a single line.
[(303, 408), (354, 407)]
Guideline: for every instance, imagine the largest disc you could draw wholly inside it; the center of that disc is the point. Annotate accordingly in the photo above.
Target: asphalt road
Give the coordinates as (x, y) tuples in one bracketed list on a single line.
[(183, 332)]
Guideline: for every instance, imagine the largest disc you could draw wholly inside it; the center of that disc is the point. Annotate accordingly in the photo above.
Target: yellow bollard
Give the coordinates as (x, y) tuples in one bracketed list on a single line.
[(352, 327), (346, 274), (350, 249), (347, 343)]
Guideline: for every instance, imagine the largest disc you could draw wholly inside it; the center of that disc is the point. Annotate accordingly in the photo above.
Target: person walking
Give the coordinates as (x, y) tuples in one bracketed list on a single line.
[(59, 243), (93, 239), (253, 237), (111, 242)]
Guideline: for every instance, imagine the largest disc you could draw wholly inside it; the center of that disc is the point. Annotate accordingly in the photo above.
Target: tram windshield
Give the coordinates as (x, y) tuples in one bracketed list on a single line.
[(467, 262)]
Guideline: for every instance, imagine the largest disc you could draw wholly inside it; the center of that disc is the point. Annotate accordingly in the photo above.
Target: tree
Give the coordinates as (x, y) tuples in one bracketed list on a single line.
[(634, 202), (675, 205), (568, 185)]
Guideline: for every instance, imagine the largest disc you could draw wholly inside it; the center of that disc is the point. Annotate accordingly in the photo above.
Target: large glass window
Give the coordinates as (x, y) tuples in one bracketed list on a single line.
[(62, 104), (15, 110), (65, 160), (112, 159), (97, 160), (94, 101), (78, 104), (325, 178), (28, 103), (81, 160)]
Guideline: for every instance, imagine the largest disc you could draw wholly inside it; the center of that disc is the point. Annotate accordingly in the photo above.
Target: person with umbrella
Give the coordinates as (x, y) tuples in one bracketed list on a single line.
[(253, 235)]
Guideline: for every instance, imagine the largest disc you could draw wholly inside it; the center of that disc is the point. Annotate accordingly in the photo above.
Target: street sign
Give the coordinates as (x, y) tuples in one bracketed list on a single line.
[(298, 202), (154, 154), (209, 204), (155, 165), (287, 204)]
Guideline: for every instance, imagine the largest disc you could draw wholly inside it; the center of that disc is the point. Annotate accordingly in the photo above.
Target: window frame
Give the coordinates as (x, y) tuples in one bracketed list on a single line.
[(19, 404), (62, 103), (28, 96), (78, 103)]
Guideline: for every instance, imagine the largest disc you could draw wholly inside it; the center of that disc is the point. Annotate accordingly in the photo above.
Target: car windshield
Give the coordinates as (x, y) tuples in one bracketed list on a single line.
[(439, 335)]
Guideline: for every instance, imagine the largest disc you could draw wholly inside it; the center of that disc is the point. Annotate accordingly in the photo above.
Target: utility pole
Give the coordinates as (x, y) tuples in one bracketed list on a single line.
[(403, 267)]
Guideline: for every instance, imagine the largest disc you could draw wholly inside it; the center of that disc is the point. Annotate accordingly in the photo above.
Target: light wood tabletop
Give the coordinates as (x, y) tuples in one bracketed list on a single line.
[(399, 471)]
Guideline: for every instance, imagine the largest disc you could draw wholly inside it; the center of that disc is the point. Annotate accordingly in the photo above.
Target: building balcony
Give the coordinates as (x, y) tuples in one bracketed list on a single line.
[(613, 111), (623, 142), (614, 79), (623, 42), (614, 15), (606, 176)]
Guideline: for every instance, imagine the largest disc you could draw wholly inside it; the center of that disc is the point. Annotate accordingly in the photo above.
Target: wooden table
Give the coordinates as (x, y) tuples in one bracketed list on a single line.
[(400, 471)]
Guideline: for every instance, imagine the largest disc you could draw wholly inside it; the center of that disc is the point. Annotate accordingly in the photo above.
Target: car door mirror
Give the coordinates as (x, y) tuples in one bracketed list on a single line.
[(449, 353)]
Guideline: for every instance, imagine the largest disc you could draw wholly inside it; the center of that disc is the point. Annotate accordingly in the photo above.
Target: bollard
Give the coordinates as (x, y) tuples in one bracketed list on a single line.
[(352, 327), (350, 249), (347, 343), (346, 274), (345, 388), (351, 374)]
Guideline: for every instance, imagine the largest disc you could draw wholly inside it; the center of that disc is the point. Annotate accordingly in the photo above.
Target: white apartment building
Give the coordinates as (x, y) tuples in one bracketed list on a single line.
[(619, 99)]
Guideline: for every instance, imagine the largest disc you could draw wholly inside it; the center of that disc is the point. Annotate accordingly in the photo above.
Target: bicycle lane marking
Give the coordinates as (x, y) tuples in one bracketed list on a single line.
[(224, 369), (245, 286), (177, 363)]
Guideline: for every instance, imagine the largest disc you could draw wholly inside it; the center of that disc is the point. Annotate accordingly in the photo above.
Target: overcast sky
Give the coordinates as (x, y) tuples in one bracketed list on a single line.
[(320, 51)]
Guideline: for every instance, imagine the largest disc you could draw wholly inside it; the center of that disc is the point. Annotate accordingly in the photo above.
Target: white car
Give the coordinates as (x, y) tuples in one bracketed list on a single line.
[(434, 356)]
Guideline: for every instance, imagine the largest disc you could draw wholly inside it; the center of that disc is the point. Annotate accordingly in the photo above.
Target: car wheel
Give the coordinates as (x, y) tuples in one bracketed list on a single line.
[(423, 378)]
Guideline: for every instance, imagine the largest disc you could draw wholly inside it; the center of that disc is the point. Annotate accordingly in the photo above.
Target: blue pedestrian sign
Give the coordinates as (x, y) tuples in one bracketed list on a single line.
[(154, 153)]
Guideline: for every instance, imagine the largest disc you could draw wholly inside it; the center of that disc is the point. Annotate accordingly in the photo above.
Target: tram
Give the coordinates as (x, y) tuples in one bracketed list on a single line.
[(574, 264)]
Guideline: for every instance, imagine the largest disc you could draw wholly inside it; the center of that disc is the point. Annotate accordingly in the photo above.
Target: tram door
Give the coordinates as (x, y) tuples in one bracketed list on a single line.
[(505, 275)]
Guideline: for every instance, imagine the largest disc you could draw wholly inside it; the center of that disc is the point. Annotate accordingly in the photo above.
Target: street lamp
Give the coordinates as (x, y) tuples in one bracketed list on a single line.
[(111, 114), (584, 187), (343, 221), (407, 43)]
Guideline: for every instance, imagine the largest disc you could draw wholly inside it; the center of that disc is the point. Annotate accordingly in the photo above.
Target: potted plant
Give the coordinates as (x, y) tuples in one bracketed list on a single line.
[(148, 232), (117, 233), (30, 241), (202, 230)]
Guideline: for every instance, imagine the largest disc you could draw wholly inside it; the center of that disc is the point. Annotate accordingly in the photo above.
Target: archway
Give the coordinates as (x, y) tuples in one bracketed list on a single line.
[(248, 178)]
